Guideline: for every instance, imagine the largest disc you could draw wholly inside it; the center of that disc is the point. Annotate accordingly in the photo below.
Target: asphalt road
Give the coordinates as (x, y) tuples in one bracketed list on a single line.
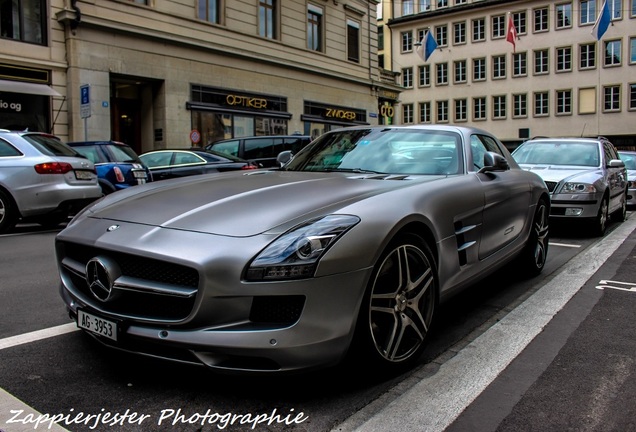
[(65, 372)]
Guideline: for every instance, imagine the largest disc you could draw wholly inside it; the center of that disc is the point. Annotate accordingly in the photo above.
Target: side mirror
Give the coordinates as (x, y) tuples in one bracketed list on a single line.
[(494, 162), (284, 157), (616, 163)]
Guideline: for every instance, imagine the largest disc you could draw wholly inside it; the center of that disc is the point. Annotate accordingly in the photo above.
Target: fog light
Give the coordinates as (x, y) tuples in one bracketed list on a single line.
[(573, 211)]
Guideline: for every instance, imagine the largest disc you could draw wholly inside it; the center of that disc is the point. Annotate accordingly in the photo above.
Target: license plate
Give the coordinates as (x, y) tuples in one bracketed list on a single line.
[(140, 174), (97, 325), (84, 175)]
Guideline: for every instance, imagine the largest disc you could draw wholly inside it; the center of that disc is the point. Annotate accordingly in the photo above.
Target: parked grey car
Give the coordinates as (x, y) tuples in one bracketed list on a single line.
[(42, 179), (586, 178), (629, 157), (347, 249)]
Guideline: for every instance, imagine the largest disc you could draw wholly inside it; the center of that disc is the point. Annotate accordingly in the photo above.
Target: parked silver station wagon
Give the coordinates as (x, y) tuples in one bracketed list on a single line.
[(345, 250), (586, 178)]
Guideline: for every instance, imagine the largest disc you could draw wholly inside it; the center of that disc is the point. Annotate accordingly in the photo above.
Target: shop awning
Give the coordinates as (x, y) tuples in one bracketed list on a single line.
[(28, 88)]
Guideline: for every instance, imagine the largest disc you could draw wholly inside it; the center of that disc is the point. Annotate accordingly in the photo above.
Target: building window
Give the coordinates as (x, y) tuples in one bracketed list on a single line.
[(564, 15), (519, 20), (616, 9), (519, 64), (460, 71), (424, 5), (541, 104), (479, 108), (461, 110), (633, 8), (541, 62), (407, 113), (632, 49), (564, 102), (267, 18), (612, 53), (632, 94), (425, 112), (612, 98), (587, 58), (441, 35), (459, 33), (407, 77), (479, 69), (541, 20), (499, 107), (498, 66), (498, 26), (442, 111), (588, 12), (23, 20), (442, 4), (520, 108), (209, 11), (407, 41), (314, 28), (479, 29), (424, 73), (564, 59), (407, 7), (353, 41), (441, 74)]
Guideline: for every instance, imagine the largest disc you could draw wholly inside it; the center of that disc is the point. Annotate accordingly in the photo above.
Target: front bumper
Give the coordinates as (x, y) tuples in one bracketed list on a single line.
[(228, 324), (575, 205)]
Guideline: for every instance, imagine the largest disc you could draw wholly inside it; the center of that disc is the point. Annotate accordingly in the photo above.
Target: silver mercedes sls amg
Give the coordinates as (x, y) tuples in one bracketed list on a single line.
[(348, 248)]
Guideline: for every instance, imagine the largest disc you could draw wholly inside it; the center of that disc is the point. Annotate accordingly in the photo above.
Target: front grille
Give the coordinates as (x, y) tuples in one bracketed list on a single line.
[(132, 303), (551, 185)]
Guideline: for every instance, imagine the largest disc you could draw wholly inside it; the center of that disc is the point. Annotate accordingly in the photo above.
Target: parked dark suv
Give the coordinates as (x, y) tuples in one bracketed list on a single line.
[(118, 166), (261, 150)]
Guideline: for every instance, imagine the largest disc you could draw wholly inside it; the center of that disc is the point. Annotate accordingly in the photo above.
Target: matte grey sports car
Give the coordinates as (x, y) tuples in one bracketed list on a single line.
[(348, 248)]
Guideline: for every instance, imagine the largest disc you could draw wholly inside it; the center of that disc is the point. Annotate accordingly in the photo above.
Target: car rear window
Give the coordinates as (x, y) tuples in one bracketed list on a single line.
[(92, 153), (123, 153), (50, 145)]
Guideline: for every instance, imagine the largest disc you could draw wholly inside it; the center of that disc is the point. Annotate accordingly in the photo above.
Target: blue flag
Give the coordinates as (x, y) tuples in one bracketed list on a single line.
[(427, 46), (602, 22)]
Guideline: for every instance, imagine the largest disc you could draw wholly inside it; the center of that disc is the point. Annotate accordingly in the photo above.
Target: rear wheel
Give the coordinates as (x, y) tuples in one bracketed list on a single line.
[(398, 307), (8, 213)]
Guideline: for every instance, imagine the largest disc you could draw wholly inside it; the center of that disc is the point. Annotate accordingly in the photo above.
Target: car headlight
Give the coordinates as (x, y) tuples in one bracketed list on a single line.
[(295, 254), (578, 188)]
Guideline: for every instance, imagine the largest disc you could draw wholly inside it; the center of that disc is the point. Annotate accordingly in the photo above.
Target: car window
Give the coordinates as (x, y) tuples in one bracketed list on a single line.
[(227, 147), (610, 152), (295, 144), (92, 153), (263, 148), (185, 158), (49, 145), (478, 150), (122, 153), (158, 159), (7, 149)]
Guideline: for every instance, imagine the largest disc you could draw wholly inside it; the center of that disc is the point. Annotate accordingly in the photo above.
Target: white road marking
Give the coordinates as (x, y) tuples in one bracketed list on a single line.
[(606, 284), (569, 245), (37, 335)]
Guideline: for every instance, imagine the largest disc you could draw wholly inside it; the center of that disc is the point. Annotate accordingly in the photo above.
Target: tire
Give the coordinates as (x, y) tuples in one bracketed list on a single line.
[(620, 215), (599, 223), (8, 212), (398, 306), (534, 256)]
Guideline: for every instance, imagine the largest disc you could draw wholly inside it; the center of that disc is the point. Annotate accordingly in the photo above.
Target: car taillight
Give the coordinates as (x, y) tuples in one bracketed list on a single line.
[(249, 167), (53, 168), (119, 175)]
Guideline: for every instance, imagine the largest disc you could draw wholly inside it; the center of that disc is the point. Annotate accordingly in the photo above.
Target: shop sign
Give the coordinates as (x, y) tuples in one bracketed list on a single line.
[(10, 106), (246, 101), (340, 114)]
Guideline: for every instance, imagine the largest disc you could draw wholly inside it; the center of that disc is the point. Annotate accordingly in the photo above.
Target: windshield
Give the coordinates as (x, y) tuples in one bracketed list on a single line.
[(629, 159), (389, 151), (558, 153)]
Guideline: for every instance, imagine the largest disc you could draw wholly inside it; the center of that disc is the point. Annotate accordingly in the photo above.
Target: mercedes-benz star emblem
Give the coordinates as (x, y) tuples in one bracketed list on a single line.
[(101, 273), (112, 228)]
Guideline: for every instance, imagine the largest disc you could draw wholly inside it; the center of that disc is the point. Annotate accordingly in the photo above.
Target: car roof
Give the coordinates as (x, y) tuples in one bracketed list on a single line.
[(87, 143)]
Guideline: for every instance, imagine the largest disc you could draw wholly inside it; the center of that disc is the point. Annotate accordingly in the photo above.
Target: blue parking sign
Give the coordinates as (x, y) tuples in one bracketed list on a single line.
[(85, 101)]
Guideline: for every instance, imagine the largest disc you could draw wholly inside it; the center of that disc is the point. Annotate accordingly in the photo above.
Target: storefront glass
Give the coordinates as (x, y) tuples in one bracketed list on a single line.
[(24, 111)]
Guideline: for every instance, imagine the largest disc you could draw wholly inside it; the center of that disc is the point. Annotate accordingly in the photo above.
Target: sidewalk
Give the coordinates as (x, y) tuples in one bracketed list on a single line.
[(565, 359)]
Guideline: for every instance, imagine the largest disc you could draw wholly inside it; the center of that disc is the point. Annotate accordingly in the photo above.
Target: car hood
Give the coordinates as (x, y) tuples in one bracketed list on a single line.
[(240, 205), (553, 173)]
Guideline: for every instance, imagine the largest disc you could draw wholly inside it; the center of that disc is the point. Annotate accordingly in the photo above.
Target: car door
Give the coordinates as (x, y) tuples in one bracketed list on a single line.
[(506, 198), (186, 164), (616, 177)]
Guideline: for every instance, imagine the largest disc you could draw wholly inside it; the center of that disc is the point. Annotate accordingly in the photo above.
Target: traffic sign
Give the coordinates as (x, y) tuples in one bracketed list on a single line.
[(195, 136), (85, 101)]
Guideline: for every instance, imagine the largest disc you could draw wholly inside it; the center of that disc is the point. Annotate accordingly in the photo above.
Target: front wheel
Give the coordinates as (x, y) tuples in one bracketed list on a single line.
[(599, 224), (398, 307), (535, 254), (620, 215)]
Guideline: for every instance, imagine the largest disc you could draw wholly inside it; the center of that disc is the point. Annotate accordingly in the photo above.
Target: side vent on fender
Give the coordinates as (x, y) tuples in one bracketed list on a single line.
[(462, 243)]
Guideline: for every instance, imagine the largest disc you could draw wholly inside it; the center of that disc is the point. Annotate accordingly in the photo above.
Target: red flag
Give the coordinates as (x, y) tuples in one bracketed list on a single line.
[(511, 36)]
